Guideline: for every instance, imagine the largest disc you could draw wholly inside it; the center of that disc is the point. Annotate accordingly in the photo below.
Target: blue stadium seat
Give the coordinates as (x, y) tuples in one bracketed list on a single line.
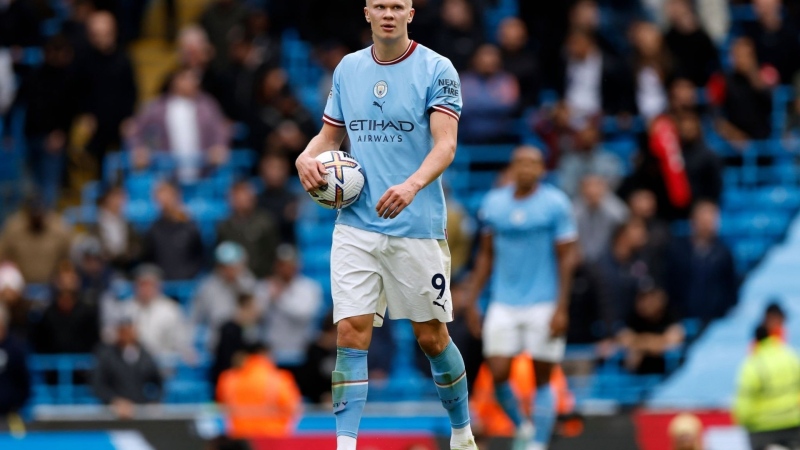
[(182, 291)]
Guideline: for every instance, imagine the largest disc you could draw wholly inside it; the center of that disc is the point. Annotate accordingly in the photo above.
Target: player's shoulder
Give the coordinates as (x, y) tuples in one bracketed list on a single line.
[(497, 197), (434, 59), (554, 194), (353, 59)]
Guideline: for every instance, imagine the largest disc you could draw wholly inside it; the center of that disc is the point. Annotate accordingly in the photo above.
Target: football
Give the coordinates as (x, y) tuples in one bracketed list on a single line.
[(345, 181)]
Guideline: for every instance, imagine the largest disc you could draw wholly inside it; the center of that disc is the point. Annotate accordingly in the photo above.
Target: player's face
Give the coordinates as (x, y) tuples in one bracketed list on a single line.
[(528, 168), (389, 19)]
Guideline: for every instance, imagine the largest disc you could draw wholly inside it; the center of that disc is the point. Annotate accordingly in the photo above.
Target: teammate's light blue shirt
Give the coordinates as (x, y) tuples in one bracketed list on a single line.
[(525, 232), (385, 107)]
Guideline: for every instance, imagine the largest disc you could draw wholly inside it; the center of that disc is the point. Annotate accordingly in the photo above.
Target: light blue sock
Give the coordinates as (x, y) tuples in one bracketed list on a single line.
[(349, 389), (508, 401), (450, 377), (544, 414)]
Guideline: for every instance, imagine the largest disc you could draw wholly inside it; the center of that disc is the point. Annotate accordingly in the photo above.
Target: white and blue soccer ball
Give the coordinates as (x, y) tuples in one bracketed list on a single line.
[(345, 181)]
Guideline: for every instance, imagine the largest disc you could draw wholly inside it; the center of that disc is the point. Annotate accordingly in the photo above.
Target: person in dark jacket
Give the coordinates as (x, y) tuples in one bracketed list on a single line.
[(15, 379), (254, 229), (244, 330), (703, 166), (106, 86), (276, 198), (591, 81), (701, 277), (173, 242), (48, 97), (692, 49), (126, 374), (747, 103)]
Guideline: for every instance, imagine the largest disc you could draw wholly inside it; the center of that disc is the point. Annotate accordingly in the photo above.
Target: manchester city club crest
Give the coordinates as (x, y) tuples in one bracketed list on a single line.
[(381, 89)]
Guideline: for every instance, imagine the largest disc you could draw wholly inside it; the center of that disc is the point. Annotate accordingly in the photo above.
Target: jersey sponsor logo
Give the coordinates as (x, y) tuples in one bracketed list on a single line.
[(450, 88), (381, 89)]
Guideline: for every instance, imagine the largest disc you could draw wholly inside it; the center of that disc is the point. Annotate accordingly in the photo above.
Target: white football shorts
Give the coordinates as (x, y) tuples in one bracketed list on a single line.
[(372, 271), (510, 330)]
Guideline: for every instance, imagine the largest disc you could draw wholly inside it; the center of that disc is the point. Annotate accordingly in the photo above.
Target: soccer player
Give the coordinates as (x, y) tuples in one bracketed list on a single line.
[(528, 244), (399, 103)]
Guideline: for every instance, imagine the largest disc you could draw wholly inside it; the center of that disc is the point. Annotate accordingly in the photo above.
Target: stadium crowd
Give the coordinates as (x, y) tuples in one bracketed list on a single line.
[(565, 69)]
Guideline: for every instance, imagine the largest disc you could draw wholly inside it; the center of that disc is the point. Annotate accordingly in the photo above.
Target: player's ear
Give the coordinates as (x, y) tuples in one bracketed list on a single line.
[(366, 13), (411, 15)]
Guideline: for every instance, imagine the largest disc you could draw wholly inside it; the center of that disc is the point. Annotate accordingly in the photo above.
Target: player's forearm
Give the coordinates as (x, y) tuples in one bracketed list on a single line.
[(483, 267), (434, 165), (319, 144), (566, 268)]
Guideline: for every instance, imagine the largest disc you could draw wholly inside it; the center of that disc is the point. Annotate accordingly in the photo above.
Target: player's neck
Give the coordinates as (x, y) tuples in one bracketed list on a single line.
[(525, 191), (388, 50)]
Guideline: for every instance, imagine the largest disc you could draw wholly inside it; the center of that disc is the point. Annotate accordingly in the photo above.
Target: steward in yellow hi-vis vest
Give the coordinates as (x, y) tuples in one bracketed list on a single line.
[(767, 401)]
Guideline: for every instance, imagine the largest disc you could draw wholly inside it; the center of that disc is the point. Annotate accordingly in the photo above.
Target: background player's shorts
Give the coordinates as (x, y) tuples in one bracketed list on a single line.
[(370, 271), (510, 330)]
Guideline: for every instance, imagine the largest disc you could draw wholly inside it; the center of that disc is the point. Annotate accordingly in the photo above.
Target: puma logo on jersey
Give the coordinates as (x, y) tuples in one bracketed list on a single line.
[(379, 105), (441, 305)]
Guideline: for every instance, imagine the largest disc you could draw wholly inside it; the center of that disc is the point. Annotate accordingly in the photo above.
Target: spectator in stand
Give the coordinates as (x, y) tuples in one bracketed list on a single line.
[(426, 21), (519, 60), (460, 33), (651, 330), (276, 198), (622, 268), (683, 96), (216, 300), (314, 378), (591, 314), (329, 55), (185, 122), (69, 324), (703, 166), (492, 97), (93, 269), (17, 308), (8, 82), (252, 228), (652, 69), (747, 104), (585, 156), (195, 52), (701, 277), (220, 20), (598, 213), (461, 230), (694, 54), (686, 432), (125, 374), (775, 39), (159, 321), (590, 81), (248, 63), (74, 27), (767, 391), (19, 24), (293, 304), (173, 242), (643, 206), (278, 120), (15, 378), (245, 329), (107, 91), (121, 242), (261, 400), (585, 15), (320, 20), (47, 95), (35, 240)]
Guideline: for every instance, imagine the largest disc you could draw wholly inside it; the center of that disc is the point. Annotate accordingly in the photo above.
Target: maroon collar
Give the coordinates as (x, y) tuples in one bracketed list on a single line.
[(411, 47)]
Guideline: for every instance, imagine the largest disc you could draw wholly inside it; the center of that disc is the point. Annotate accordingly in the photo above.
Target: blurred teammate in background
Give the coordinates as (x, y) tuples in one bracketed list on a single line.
[(399, 103), (529, 245)]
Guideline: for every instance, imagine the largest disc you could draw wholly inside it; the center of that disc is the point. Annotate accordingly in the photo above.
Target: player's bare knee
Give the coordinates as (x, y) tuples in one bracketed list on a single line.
[(542, 372), (500, 369), (432, 337), (351, 333)]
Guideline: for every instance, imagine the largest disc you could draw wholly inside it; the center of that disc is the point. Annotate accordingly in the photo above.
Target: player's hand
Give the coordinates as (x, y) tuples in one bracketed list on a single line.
[(559, 322), (311, 172), (395, 200), (474, 321)]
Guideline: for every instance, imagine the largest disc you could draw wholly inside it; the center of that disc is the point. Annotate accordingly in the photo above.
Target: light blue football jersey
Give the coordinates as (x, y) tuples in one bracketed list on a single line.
[(386, 108), (525, 232)]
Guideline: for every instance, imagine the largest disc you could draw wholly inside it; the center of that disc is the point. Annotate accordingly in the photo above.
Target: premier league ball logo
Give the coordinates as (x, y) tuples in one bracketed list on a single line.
[(381, 89)]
